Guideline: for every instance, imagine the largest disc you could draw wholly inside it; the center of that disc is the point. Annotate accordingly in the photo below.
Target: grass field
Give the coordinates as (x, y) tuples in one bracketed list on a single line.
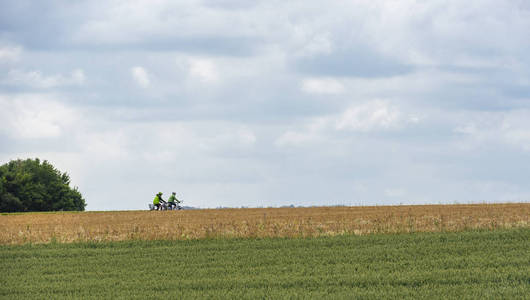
[(464, 265), (257, 222)]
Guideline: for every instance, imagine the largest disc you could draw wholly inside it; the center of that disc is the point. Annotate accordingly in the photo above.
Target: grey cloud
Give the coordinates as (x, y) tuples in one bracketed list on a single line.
[(209, 45), (351, 63), (57, 145), (39, 24), (59, 26), (230, 4), (462, 97)]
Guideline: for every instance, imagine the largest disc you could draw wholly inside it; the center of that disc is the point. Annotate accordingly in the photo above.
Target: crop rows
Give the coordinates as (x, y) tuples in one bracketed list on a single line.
[(464, 265), (257, 222)]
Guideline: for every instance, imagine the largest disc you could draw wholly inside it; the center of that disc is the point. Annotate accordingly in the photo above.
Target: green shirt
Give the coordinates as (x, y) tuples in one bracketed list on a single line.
[(172, 199), (156, 200)]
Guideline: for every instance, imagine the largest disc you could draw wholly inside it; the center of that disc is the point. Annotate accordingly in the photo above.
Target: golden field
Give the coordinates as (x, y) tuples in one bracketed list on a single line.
[(67, 227)]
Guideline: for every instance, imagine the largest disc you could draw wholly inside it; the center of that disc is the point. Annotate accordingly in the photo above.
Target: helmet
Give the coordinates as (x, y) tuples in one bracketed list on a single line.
[(173, 193), (159, 193)]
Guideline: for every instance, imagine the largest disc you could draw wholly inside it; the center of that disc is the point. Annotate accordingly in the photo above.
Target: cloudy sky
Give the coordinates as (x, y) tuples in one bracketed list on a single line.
[(271, 103)]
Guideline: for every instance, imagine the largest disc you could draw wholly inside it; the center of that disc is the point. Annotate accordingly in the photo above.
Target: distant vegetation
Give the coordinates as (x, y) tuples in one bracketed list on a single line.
[(32, 185), (464, 265)]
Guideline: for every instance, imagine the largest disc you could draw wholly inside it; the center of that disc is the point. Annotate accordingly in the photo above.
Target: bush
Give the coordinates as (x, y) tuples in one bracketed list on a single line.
[(32, 185)]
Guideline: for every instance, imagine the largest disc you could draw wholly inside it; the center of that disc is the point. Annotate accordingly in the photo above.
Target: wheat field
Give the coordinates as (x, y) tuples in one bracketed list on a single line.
[(65, 227)]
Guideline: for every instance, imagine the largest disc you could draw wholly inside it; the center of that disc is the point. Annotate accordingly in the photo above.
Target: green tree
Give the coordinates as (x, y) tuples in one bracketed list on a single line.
[(32, 185)]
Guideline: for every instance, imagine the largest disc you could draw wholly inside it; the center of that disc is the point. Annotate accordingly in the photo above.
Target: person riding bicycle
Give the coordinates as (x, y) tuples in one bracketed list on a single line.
[(157, 200), (173, 201)]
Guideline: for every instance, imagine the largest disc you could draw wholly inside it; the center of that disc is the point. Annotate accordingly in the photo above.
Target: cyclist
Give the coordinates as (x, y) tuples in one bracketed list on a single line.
[(173, 201), (157, 200)]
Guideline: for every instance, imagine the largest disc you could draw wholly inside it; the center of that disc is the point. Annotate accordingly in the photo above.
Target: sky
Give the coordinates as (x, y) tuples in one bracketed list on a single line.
[(270, 103)]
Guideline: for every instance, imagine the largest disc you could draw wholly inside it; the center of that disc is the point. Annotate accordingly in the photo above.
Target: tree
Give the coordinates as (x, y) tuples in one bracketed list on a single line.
[(32, 185)]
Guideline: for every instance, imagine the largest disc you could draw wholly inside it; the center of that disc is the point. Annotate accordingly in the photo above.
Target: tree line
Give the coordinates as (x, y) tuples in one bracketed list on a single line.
[(35, 185)]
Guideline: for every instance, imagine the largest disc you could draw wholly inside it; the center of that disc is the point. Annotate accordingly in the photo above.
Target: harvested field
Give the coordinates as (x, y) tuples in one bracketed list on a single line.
[(257, 222)]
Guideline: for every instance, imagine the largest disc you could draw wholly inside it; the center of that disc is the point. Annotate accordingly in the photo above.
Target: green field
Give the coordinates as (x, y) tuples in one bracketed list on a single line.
[(474, 264)]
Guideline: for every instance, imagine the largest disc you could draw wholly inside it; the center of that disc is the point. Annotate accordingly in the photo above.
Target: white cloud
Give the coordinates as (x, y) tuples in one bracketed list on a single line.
[(519, 137), (374, 115), (35, 116), (225, 138), (246, 136), (271, 64), (203, 69), (295, 138), (9, 53), (511, 128), (371, 116), (78, 76), (322, 86), (307, 42), (106, 144), (36, 79), (141, 77)]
